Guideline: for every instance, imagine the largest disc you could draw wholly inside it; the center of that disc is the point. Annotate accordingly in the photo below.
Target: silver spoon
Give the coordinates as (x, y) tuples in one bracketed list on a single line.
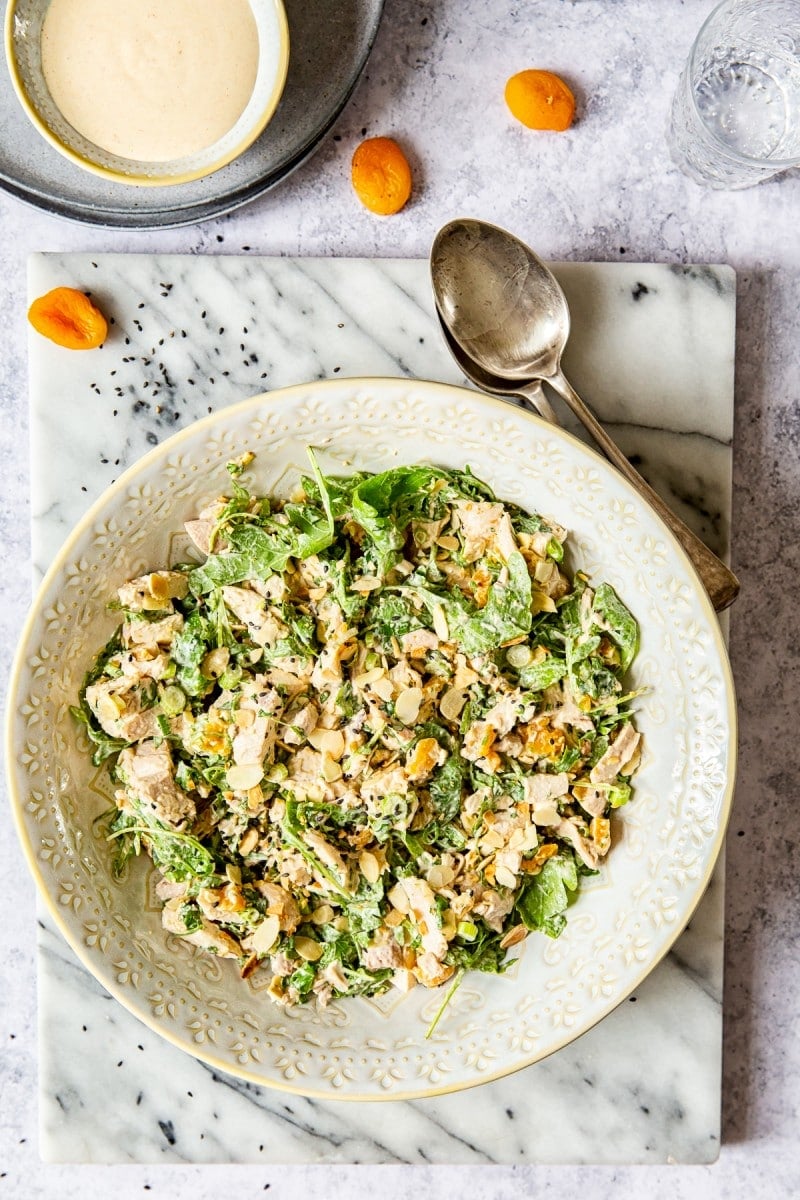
[(508, 321)]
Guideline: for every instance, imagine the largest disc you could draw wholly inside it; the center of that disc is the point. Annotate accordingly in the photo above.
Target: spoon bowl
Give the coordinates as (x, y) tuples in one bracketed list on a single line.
[(506, 321), (498, 299), (528, 394)]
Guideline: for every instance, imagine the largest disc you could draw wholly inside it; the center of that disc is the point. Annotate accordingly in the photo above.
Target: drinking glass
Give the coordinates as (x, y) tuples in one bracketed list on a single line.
[(736, 115)]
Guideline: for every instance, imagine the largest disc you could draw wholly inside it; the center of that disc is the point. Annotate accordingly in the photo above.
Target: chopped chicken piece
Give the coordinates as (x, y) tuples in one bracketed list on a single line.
[(389, 781), (591, 801), (494, 908), (208, 937), (383, 953), (616, 757), (300, 724), (540, 789), (152, 634), (280, 904), (430, 971), (585, 849), (151, 593), (479, 522), (149, 776), (200, 533), (418, 642), (423, 908)]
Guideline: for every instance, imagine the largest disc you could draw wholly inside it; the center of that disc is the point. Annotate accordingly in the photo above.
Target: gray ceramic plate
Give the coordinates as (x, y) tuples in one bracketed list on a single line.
[(330, 42)]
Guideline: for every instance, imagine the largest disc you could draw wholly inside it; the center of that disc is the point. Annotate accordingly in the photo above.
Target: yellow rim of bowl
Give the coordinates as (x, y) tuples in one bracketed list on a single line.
[(87, 164), (17, 805)]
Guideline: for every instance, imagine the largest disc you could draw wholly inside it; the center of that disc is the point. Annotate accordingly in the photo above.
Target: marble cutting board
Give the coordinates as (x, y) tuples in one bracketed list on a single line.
[(193, 334)]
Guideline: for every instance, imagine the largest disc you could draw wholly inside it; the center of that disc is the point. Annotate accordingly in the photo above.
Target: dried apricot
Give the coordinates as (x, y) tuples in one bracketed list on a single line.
[(540, 100), (381, 176), (68, 318)]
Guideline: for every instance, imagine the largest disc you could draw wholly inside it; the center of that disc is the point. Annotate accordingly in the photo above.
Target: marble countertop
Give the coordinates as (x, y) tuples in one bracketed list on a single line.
[(606, 191)]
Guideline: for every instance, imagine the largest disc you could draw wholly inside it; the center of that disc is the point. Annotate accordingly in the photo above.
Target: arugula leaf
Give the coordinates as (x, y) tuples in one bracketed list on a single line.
[(446, 787), (258, 551), (178, 856), (189, 647), (363, 912), (351, 603), (618, 621), (293, 834), (392, 617), (595, 678), (483, 954), (104, 744), (507, 614), (302, 980), (539, 676), (544, 900)]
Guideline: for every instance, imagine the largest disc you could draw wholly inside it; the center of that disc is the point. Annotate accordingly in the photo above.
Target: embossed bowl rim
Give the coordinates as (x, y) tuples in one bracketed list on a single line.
[(392, 388)]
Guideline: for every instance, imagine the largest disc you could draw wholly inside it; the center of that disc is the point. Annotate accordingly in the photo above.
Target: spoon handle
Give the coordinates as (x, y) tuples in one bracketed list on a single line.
[(718, 580), (535, 396)]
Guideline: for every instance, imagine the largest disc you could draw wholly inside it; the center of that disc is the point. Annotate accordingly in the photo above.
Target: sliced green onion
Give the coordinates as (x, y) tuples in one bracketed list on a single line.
[(173, 701)]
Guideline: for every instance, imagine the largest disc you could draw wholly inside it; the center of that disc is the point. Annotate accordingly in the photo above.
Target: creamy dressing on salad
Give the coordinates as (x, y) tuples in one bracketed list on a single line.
[(374, 738), (151, 80)]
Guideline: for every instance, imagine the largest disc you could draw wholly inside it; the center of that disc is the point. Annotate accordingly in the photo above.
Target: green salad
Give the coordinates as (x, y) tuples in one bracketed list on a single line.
[(374, 738)]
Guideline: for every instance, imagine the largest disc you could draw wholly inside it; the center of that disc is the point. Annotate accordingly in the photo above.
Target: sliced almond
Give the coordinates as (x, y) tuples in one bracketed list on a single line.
[(451, 704), (370, 867), (244, 776), (368, 677), (447, 542), (504, 877), (329, 741), (322, 915), (513, 937), (440, 623), (439, 877), (248, 842), (255, 798), (398, 898), (331, 770), (308, 949), (546, 814), (109, 708), (383, 688), (407, 705), (541, 602), (367, 583), (393, 917), (266, 935), (244, 718)]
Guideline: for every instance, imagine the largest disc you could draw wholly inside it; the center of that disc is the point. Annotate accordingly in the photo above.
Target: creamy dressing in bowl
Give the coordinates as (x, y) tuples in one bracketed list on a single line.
[(148, 92), (151, 79)]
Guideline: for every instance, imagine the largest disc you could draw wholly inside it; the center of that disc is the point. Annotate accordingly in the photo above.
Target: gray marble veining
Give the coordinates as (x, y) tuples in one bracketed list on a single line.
[(191, 335)]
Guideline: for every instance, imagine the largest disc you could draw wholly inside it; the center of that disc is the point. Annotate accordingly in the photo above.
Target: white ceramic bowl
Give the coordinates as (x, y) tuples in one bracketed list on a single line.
[(23, 30), (665, 841)]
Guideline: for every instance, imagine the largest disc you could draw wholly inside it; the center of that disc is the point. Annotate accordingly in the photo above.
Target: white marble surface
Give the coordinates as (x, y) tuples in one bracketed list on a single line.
[(605, 191), (175, 351)]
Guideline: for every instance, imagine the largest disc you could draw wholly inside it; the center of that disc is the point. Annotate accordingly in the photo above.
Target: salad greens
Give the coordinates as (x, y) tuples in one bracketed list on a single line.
[(374, 738)]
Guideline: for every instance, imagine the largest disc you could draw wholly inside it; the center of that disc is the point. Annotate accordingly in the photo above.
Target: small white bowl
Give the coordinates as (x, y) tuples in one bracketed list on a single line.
[(23, 32)]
